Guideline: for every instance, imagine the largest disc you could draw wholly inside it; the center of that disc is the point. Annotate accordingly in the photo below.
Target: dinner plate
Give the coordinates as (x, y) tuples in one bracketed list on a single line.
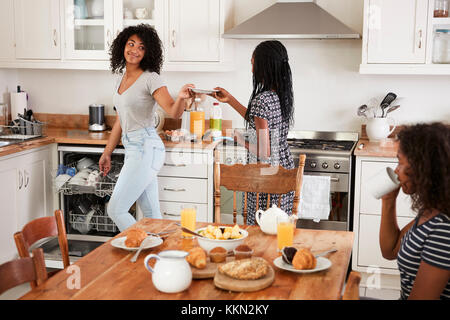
[(205, 91), (322, 264), (120, 243)]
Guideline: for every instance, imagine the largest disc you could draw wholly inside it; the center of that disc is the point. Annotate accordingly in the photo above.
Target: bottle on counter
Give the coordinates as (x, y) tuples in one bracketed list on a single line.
[(197, 119), (215, 120)]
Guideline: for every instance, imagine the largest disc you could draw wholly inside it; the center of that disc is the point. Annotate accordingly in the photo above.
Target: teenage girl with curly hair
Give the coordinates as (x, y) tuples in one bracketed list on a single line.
[(137, 56), (267, 116), (422, 248)]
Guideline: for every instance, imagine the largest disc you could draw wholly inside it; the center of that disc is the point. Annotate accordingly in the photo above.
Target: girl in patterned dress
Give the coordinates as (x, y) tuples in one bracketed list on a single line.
[(268, 116)]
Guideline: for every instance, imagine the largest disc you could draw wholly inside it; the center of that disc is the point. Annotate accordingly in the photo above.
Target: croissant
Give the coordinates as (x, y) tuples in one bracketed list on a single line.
[(197, 258), (134, 237), (304, 260)]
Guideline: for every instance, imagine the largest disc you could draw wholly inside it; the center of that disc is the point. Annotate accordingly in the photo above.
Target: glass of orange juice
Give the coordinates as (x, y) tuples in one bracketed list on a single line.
[(188, 213), (285, 232)]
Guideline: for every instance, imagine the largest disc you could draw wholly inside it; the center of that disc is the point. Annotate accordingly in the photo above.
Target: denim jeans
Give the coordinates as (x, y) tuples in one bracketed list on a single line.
[(144, 157)]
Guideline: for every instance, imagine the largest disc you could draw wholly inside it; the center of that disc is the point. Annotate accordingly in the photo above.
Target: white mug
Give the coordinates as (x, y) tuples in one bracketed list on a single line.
[(383, 182), (141, 13), (171, 272)]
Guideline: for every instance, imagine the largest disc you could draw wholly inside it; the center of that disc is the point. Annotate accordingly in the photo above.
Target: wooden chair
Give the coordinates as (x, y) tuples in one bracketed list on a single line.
[(41, 228), (19, 271), (351, 291), (259, 178)]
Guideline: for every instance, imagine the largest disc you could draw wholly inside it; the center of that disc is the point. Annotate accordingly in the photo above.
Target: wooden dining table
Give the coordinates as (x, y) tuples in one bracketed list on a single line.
[(107, 272)]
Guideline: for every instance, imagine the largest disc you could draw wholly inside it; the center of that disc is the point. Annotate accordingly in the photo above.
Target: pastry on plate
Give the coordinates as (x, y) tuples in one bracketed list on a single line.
[(197, 258), (134, 237), (245, 269), (304, 260)]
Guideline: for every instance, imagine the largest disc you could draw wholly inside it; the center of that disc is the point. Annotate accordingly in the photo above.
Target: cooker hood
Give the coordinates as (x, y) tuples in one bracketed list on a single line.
[(292, 20)]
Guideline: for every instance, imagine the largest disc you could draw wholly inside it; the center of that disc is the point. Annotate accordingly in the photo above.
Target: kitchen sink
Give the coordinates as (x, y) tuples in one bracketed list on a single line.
[(7, 143)]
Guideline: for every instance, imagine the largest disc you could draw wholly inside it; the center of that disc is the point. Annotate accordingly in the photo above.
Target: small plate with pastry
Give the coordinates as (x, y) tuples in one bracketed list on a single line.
[(133, 240), (301, 261)]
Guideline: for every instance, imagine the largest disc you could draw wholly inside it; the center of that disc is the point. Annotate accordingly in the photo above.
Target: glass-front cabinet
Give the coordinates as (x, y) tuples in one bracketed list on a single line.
[(92, 25)]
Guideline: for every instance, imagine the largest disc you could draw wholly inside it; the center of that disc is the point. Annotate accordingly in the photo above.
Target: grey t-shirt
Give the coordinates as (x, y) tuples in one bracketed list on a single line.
[(136, 106)]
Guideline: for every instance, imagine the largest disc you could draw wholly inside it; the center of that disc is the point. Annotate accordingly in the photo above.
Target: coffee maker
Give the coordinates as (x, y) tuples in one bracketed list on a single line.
[(97, 117)]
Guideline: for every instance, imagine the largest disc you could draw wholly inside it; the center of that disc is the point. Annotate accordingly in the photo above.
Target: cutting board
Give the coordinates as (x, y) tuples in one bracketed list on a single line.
[(209, 271), (225, 282)]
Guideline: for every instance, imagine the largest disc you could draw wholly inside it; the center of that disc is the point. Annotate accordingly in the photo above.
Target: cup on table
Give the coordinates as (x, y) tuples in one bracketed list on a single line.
[(383, 182), (188, 217), (285, 232)]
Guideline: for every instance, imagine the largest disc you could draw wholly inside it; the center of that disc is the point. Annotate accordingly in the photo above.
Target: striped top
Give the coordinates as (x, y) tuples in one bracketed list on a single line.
[(429, 242)]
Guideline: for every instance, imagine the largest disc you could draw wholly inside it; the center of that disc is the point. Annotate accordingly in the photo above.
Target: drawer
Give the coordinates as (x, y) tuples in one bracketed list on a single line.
[(183, 190), (185, 164), (172, 211)]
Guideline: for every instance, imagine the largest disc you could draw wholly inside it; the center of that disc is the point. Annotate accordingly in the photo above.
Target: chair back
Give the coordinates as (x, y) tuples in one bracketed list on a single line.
[(351, 291), (22, 270), (258, 178), (41, 228)]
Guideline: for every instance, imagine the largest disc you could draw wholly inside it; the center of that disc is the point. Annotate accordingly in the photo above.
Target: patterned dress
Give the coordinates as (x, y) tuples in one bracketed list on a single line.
[(266, 105)]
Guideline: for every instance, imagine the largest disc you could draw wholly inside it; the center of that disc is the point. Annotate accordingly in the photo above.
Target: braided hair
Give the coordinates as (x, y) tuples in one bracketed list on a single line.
[(271, 71)]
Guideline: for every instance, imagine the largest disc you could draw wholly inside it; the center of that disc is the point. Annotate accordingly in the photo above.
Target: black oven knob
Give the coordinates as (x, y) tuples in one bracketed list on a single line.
[(313, 164), (325, 165), (337, 166)]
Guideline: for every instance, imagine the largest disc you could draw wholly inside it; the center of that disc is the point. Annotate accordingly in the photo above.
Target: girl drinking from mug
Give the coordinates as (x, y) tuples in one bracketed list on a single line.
[(138, 90)]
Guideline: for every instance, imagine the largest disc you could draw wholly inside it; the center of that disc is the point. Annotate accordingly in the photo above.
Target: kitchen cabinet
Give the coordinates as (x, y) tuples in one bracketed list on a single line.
[(367, 217), (194, 30), (25, 193), (187, 177), (398, 37), (7, 30), (37, 29)]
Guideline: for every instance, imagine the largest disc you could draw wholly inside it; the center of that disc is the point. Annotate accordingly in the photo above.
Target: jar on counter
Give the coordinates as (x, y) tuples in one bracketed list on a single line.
[(441, 46), (440, 9)]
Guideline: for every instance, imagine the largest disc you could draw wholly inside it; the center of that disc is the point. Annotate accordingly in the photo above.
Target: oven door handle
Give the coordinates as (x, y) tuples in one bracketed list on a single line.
[(333, 179)]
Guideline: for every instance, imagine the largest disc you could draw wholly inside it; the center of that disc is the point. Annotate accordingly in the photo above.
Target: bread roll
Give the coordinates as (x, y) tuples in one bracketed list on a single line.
[(134, 237), (304, 260)]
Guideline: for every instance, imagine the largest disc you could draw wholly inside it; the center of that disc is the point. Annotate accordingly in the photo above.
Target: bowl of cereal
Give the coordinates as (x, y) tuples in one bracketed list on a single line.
[(221, 236)]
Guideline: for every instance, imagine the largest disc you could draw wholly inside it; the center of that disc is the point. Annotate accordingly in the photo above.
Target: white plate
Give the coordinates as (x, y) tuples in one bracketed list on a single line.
[(120, 243), (205, 91), (322, 264)]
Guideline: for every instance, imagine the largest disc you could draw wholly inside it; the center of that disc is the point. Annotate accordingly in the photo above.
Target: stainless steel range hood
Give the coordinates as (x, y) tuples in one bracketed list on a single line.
[(292, 20)]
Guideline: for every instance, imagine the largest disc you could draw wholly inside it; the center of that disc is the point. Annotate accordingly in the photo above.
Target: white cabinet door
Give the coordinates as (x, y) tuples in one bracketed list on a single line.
[(89, 29), (397, 31), (7, 30), (194, 31), (37, 30), (8, 210), (369, 252), (369, 204)]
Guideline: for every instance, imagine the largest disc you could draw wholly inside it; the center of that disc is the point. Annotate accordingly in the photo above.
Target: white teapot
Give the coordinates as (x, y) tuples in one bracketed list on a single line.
[(267, 220)]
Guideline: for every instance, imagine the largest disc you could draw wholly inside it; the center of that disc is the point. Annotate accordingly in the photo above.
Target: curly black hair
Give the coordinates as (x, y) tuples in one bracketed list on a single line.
[(271, 71), (153, 58), (427, 149)]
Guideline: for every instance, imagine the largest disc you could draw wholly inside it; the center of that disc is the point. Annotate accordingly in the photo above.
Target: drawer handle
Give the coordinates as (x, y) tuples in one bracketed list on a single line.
[(174, 190), (171, 214), (174, 165)]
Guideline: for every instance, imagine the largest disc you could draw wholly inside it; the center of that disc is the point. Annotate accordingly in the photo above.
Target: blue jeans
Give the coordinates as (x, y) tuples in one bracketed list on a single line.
[(144, 157)]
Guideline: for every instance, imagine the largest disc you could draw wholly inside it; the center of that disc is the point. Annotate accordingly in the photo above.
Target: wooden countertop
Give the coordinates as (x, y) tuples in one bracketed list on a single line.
[(384, 149), (80, 136)]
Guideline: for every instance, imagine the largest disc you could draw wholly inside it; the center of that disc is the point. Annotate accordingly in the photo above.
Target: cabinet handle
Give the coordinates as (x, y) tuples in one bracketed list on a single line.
[(171, 214), (174, 165), (420, 39), (174, 190), (55, 38), (27, 178), (174, 39), (20, 180)]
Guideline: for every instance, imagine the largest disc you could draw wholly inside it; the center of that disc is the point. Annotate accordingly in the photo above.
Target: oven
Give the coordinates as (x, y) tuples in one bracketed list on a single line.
[(328, 154)]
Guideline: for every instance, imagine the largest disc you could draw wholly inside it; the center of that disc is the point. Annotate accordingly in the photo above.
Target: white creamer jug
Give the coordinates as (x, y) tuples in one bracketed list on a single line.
[(378, 128), (171, 272)]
